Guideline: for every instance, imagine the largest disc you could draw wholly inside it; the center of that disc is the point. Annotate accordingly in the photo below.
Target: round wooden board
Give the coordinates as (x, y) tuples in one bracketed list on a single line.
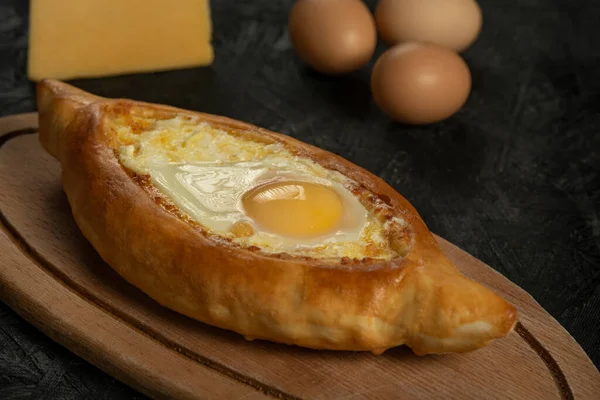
[(53, 278)]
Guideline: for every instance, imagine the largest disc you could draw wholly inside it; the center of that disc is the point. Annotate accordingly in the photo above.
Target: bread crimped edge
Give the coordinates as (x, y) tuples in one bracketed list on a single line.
[(420, 300)]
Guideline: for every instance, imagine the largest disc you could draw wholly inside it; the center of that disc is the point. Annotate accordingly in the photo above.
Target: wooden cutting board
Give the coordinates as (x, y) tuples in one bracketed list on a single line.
[(52, 277)]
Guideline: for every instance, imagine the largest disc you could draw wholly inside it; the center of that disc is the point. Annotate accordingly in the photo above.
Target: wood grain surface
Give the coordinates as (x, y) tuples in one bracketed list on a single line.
[(53, 278)]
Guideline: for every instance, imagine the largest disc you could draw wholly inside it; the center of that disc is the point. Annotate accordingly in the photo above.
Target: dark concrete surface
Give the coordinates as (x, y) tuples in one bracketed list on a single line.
[(514, 178)]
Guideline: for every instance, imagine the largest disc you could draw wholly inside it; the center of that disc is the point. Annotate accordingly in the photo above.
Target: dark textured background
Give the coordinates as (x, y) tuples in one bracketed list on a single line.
[(514, 178)]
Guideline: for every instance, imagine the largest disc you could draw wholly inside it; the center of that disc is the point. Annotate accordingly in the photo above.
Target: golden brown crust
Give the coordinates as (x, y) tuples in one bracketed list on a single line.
[(420, 300)]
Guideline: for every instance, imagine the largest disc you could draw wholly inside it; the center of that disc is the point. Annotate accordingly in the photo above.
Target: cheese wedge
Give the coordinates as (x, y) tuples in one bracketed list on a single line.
[(92, 38)]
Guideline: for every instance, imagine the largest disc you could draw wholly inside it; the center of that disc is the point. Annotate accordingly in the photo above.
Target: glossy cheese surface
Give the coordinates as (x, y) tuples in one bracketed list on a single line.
[(91, 38), (255, 194)]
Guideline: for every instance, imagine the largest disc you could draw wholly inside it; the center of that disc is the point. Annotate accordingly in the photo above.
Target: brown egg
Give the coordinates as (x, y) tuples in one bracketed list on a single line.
[(420, 83), (454, 24), (332, 36)]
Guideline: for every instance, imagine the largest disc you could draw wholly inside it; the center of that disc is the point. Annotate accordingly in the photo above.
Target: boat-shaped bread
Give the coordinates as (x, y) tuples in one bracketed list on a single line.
[(256, 232)]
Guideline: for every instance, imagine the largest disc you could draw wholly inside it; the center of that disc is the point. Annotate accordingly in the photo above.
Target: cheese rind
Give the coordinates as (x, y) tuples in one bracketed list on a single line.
[(91, 38)]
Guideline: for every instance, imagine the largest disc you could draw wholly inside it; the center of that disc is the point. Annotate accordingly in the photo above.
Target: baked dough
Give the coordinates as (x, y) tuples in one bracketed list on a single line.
[(418, 299)]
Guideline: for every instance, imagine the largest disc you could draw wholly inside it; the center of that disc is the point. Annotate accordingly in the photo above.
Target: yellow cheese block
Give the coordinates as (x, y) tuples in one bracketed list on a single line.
[(94, 38)]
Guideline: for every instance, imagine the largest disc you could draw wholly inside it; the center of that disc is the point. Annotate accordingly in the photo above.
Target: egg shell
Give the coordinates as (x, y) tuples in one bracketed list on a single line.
[(332, 36), (454, 24), (420, 83)]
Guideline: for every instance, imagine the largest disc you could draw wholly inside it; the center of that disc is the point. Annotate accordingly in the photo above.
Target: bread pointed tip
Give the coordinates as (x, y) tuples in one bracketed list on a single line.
[(57, 104), (463, 315)]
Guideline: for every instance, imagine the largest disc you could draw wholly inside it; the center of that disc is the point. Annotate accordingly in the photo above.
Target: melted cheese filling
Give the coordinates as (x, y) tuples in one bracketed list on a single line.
[(253, 193)]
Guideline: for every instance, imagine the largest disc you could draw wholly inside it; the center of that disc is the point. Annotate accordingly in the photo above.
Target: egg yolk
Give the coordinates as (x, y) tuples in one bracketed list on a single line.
[(300, 209)]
